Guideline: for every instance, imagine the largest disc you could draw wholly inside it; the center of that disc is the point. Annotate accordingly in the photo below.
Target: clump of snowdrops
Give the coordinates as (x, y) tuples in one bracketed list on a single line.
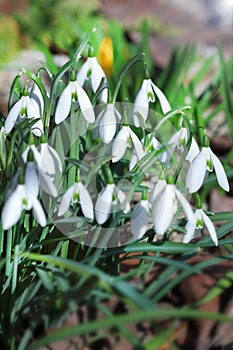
[(103, 171)]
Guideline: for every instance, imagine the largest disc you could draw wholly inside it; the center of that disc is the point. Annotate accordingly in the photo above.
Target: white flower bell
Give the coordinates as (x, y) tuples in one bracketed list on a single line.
[(106, 123), (193, 229), (165, 206), (106, 200), (140, 217), (92, 70), (73, 92), (24, 197), (77, 193), (25, 107), (203, 163), (145, 95)]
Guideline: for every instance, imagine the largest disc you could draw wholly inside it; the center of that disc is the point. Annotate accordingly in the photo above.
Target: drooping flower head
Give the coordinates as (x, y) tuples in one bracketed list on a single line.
[(73, 92), (77, 193), (165, 205), (106, 123), (109, 197), (23, 197), (146, 94), (26, 107), (92, 70), (140, 217), (200, 219), (205, 161)]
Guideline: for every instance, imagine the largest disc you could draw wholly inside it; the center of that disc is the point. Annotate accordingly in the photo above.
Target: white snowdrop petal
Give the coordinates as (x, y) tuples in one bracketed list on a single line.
[(85, 104), (189, 235), (66, 199), (82, 74), (85, 201), (163, 209), (47, 184), (137, 144), (12, 208), (107, 121), (97, 74), (165, 105), (33, 110), (141, 103), (36, 95), (38, 212), (47, 161), (31, 179), (56, 158), (12, 116), (220, 172), (104, 204), (120, 144), (139, 219), (133, 160), (193, 150), (185, 205), (157, 189), (210, 228), (196, 172), (63, 105)]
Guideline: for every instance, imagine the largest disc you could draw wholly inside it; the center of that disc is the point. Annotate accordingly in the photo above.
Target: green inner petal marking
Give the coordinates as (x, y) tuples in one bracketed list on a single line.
[(24, 202), (151, 96), (23, 112), (76, 197), (74, 96), (89, 72), (209, 164), (199, 223)]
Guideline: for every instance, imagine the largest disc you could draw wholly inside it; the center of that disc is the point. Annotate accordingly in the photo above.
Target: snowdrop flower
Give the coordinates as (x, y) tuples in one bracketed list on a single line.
[(139, 217), (179, 140), (50, 160), (106, 123), (46, 158), (124, 139), (36, 95), (165, 206), (24, 197), (194, 228), (92, 70), (77, 193), (44, 180), (105, 201), (73, 92), (145, 95), (203, 163), (26, 106)]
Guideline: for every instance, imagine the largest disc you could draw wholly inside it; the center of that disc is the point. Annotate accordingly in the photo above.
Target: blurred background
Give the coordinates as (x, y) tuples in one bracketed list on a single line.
[(154, 26)]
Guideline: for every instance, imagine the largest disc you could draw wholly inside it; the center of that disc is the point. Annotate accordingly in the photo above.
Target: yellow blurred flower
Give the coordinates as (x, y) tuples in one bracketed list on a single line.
[(105, 55)]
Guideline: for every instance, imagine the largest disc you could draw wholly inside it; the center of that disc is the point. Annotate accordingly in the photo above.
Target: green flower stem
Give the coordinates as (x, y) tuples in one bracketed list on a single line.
[(8, 251)]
